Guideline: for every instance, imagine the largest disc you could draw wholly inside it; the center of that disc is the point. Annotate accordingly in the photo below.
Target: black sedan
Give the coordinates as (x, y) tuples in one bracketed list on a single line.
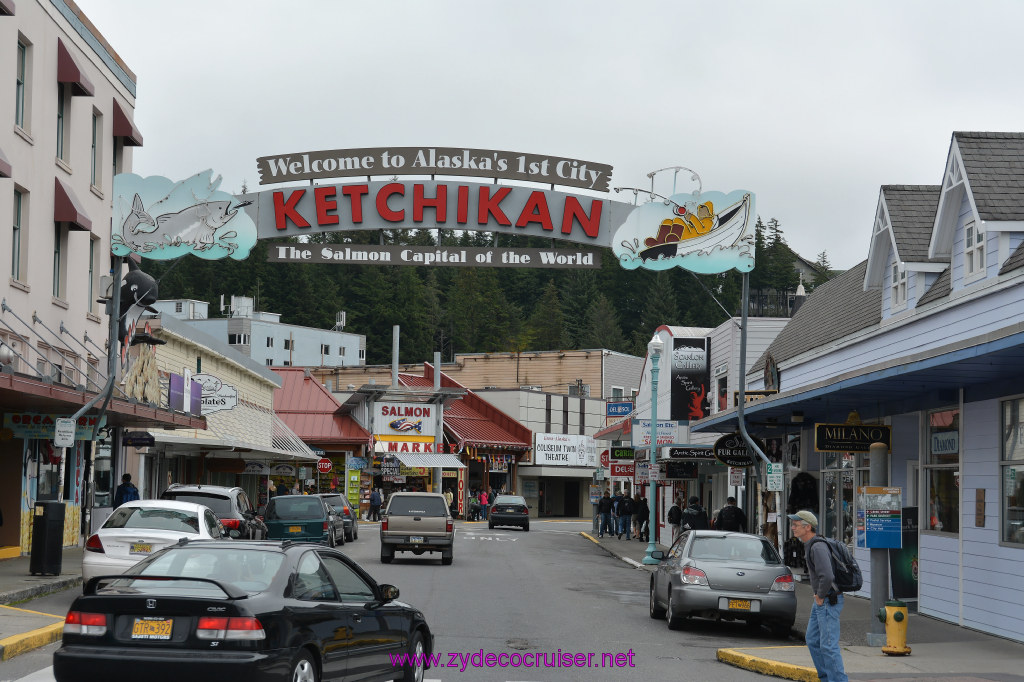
[(509, 510), (724, 576), (213, 610)]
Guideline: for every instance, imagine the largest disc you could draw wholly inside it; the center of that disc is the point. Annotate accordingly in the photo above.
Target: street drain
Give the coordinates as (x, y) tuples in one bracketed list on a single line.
[(517, 644)]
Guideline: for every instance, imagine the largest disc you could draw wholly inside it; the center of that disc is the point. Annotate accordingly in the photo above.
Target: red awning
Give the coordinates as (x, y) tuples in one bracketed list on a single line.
[(311, 411), (469, 427), (616, 431), (123, 127), (5, 165), (70, 73), (67, 209), (7, 8)]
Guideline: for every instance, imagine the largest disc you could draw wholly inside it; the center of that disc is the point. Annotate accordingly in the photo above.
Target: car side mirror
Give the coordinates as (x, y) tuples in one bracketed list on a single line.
[(388, 592), (658, 555)]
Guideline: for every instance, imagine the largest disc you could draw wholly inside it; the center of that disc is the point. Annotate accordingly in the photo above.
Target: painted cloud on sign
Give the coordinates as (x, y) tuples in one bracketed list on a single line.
[(706, 233), (162, 219)]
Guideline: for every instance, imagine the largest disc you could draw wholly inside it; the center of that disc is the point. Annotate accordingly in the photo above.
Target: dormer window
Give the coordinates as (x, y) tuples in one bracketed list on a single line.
[(899, 286), (974, 251)]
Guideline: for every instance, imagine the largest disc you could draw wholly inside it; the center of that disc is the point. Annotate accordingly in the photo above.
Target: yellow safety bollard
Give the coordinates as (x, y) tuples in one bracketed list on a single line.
[(894, 615)]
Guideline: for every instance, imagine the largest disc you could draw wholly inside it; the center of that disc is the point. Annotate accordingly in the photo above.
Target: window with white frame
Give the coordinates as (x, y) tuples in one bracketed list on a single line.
[(942, 471), (325, 349), (179, 306), (270, 342), (616, 391), (1012, 473), (288, 344), (238, 339), (974, 250), (899, 286)]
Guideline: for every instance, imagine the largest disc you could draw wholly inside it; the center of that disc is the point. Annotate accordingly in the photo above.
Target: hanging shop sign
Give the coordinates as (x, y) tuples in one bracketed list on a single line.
[(691, 377), (256, 467), (405, 421), (732, 450), (184, 393), (850, 437), (619, 409), (641, 473), (641, 432), (216, 395), (693, 453), (162, 219), (282, 470), (30, 425), (559, 449), (678, 470), (357, 463), (622, 454), (617, 470), (138, 439)]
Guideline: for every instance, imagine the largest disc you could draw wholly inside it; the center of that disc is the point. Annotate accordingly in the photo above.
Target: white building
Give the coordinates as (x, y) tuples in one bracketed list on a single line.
[(264, 338)]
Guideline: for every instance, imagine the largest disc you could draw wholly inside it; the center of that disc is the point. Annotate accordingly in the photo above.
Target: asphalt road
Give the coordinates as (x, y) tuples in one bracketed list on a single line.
[(514, 592)]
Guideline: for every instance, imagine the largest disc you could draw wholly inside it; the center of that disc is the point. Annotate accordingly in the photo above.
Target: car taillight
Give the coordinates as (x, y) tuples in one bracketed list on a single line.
[(384, 523), (93, 544), (448, 526), (346, 510), (82, 623), (784, 583), (694, 576), (219, 627), (231, 524), (326, 526)]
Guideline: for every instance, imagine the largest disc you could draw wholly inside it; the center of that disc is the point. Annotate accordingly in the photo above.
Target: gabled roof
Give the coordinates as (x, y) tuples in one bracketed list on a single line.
[(994, 163), (903, 220), (312, 412), (834, 310), (1016, 260), (472, 421)]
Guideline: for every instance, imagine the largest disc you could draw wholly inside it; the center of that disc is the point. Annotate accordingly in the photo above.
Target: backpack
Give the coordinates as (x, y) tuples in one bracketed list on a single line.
[(844, 566), (675, 515), (728, 519)]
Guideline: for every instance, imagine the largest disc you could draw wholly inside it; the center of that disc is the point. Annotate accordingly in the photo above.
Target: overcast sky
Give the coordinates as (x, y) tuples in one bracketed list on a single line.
[(811, 105)]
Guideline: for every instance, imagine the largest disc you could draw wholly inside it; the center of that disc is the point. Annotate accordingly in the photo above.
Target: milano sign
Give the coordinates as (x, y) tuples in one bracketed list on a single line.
[(705, 232)]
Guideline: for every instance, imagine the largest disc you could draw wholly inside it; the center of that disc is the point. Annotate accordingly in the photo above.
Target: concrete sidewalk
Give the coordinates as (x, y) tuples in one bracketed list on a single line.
[(21, 629), (939, 649)]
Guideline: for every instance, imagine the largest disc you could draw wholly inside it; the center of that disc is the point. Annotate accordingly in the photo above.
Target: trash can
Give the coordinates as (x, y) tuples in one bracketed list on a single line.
[(47, 539)]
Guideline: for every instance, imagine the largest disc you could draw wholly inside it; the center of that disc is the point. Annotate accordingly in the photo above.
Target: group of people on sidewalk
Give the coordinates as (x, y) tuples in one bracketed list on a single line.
[(695, 517), (624, 515)]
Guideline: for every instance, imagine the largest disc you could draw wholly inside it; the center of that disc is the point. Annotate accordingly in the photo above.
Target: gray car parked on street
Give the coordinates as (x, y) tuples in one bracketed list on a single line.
[(723, 576)]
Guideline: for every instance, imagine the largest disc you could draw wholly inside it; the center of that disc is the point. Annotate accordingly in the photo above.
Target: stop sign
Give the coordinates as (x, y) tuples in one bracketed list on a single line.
[(605, 460), (324, 465)]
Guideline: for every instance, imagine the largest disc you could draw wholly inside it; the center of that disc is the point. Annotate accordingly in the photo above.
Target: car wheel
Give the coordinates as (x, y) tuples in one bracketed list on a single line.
[(341, 538), (355, 533), (657, 612), (330, 540), (304, 668), (413, 670), (349, 537), (781, 629), (447, 558), (490, 525), (526, 527), (386, 557), (672, 615)]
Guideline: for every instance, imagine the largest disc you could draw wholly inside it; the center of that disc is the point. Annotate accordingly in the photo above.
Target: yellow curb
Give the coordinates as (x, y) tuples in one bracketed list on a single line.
[(767, 666), (37, 613), (10, 552), (19, 644), (590, 537)]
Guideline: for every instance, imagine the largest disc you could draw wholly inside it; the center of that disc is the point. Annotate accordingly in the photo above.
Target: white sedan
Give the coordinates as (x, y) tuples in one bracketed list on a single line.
[(137, 529)]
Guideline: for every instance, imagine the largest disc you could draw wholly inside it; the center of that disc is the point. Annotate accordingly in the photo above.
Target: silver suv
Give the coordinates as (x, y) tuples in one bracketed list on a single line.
[(417, 523), (231, 505)]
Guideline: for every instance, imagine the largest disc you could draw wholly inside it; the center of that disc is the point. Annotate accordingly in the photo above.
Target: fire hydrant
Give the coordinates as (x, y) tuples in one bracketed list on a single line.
[(894, 615)]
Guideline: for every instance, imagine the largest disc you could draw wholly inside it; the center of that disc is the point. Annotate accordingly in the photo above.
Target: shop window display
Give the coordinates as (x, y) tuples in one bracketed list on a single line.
[(942, 471), (1012, 470)]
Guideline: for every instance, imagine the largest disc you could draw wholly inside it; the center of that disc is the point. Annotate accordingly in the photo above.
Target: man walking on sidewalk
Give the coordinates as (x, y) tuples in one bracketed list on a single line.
[(823, 627), (604, 508)]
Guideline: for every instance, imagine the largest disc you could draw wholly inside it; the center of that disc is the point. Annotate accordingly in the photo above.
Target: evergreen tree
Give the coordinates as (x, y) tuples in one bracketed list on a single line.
[(603, 329), (547, 322), (823, 272), (580, 291)]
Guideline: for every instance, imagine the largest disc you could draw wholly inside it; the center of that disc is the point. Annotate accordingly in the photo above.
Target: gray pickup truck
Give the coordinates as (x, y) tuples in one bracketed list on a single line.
[(417, 523)]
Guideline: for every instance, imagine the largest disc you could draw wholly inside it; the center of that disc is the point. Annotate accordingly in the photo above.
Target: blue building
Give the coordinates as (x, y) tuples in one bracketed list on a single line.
[(264, 338), (926, 337)]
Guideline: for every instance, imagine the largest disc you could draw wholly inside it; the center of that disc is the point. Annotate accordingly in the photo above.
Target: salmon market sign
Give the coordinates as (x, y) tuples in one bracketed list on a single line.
[(705, 232)]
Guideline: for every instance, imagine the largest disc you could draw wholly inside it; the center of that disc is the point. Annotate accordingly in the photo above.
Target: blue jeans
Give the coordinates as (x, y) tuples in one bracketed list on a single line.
[(606, 524), (823, 641), (624, 524), (483, 509)]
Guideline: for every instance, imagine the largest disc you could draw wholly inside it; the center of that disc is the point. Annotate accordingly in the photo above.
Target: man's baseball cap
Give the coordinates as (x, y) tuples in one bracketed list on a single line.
[(806, 517)]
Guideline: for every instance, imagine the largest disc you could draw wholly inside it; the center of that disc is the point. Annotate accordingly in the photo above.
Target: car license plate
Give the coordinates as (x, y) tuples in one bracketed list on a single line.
[(141, 548), (739, 604), (416, 539), (294, 529), (152, 628)]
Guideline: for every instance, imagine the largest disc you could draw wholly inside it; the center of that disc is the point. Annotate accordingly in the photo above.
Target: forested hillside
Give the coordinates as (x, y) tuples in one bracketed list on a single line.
[(470, 309)]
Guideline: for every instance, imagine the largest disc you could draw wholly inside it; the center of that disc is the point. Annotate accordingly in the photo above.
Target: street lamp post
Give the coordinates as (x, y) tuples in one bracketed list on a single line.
[(654, 348)]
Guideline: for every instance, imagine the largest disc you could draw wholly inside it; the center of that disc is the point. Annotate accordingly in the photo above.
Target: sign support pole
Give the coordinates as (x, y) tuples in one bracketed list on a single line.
[(878, 475)]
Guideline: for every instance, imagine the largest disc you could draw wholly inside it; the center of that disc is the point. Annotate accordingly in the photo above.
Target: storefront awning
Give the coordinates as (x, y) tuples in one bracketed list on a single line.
[(283, 444), (556, 472), (124, 128), (431, 461), (615, 431), (5, 166)]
